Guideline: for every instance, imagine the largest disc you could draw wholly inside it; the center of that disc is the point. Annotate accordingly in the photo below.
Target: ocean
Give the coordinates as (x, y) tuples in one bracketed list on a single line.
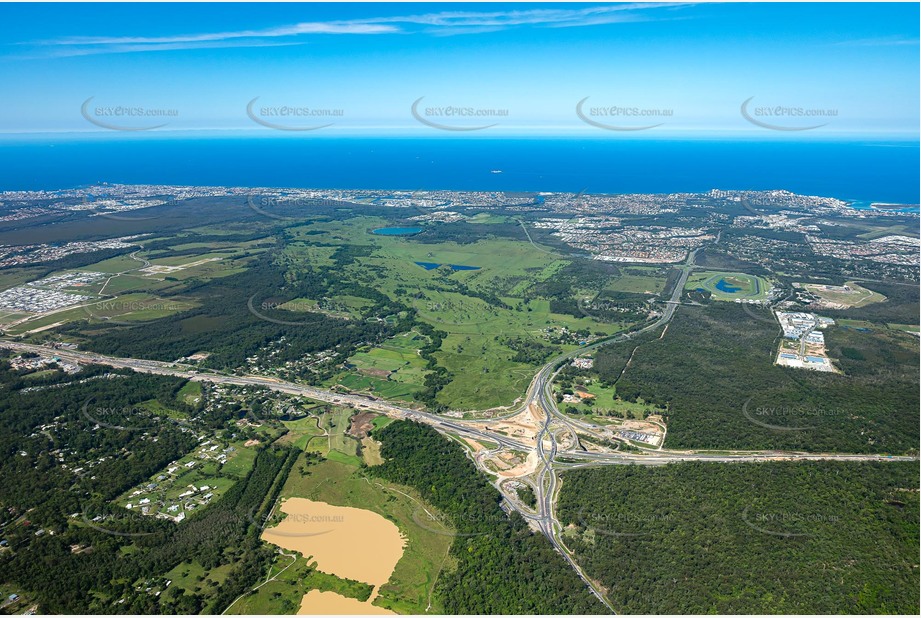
[(853, 170)]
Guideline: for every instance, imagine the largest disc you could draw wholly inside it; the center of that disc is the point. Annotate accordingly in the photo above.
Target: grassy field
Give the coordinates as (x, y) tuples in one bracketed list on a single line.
[(190, 392), (46, 321), (371, 452), (486, 218), (381, 421), (336, 424), (11, 277), (302, 431), (734, 285), (324, 432), (638, 280), (137, 307), (120, 264), (606, 403), (857, 324), (484, 374), (130, 283), (291, 577), (393, 370), (193, 578), (8, 316), (877, 231), (854, 296), (398, 355), (183, 260)]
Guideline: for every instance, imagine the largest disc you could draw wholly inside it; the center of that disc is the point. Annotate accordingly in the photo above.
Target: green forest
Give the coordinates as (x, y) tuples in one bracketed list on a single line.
[(502, 567), (714, 371), (748, 538), (48, 511)]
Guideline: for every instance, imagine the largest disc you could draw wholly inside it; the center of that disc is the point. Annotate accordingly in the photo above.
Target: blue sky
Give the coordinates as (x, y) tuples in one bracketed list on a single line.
[(691, 66)]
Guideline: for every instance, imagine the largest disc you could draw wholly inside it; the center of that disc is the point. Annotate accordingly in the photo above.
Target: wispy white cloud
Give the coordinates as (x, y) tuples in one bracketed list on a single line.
[(889, 41), (444, 23), (294, 30), (586, 16), (145, 47)]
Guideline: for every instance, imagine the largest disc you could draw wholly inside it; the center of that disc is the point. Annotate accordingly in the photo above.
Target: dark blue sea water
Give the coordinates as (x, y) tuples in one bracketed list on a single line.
[(866, 171)]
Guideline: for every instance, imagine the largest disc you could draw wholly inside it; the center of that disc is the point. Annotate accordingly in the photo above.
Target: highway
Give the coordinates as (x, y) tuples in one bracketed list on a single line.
[(541, 394), (359, 401), (664, 456)]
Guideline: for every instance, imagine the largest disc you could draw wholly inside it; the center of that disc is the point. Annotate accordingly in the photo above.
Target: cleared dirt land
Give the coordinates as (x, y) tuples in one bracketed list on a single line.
[(332, 604), (340, 539), (523, 426)]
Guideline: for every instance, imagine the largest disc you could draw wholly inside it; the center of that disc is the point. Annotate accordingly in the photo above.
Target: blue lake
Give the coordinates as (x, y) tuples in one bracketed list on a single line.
[(433, 266), (723, 286), (396, 231)]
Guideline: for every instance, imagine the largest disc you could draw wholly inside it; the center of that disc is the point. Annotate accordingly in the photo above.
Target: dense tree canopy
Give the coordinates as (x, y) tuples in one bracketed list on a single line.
[(502, 567), (786, 537)]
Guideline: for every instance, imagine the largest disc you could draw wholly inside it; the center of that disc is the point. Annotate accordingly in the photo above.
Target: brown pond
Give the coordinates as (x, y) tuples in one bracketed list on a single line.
[(331, 603), (344, 541)]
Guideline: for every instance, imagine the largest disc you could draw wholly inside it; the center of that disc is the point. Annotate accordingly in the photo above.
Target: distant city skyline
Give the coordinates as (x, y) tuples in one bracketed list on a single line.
[(610, 71)]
